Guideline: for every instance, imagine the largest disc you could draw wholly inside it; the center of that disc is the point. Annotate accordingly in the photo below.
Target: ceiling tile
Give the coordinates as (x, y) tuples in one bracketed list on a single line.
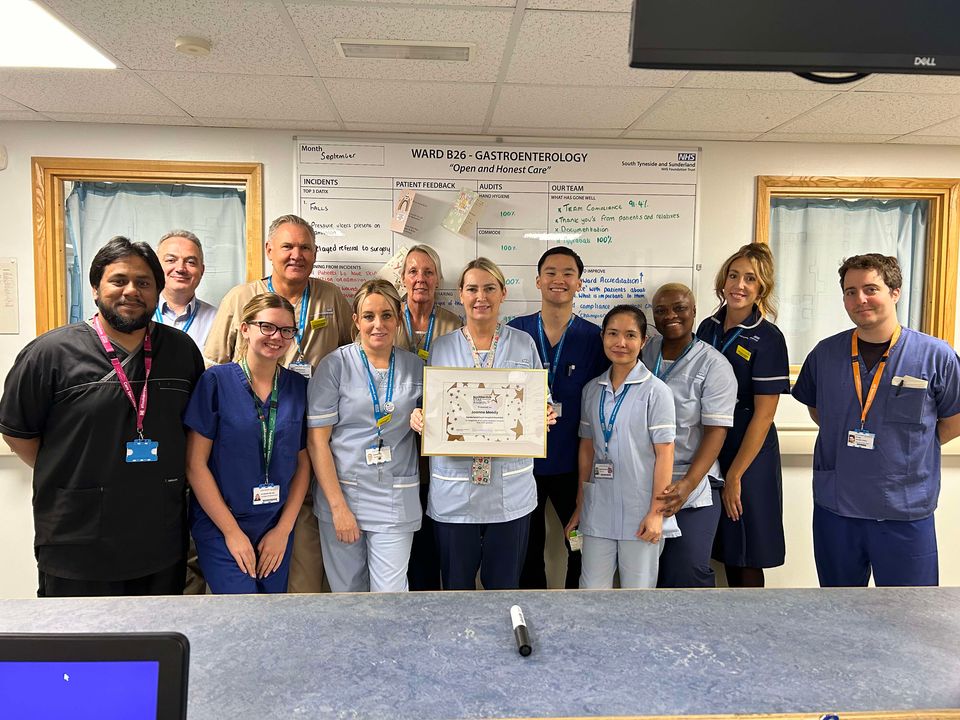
[(579, 48), (535, 106), (823, 137), (8, 105), (727, 80), (113, 92), (243, 96), (698, 135), (267, 123), (423, 128), (875, 114), (945, 129), (934, 84), (124, 119), (248, 36), (728, 110), (915, 139), (557, 132), (622, 6), (13, 115), (321, 24), (410, 103)]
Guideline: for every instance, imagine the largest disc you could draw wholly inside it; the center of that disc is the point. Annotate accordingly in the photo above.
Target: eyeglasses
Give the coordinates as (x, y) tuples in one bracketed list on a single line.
[(269, 329)]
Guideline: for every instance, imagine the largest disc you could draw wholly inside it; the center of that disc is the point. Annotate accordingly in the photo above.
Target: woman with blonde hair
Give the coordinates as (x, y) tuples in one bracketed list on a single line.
[(247, 462), (750, 534), (363, 451)]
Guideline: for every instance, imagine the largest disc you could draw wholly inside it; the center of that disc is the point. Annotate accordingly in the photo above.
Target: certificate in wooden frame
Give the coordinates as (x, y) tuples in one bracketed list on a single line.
[(484, 412)]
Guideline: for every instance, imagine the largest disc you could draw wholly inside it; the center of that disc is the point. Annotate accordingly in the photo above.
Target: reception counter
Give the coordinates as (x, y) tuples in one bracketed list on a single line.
[(887, 652)]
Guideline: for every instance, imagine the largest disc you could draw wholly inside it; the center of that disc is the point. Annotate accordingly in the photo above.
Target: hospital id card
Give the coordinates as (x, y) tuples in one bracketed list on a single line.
[(603, 470), (141, 451), (266, 494), (302, 368), (379, 455), (861, 439), (558, 409)]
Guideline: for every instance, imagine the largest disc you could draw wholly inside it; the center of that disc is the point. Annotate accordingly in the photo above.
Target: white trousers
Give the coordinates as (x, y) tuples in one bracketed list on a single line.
[(377, 562), (638, 562)]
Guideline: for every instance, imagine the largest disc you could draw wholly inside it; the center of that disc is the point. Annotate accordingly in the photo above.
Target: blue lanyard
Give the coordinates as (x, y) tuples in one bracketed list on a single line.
[(428, 338), (718, 336), (304, 301), (666, 373), (158, 316), (555, 363), (608, 430), (378, 411)]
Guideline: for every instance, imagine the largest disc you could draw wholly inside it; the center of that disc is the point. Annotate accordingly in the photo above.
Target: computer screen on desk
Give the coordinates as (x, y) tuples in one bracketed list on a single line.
[(135, 676)]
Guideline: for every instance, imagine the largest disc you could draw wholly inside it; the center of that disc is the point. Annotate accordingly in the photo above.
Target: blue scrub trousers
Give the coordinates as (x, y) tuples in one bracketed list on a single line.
[(636, 560), (225, 577), (497, 550), (377, 562), (899, 552), (685, 562)]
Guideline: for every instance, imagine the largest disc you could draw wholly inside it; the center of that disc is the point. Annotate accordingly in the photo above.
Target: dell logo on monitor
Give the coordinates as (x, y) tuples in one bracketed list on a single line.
[(686, 157), (925, 62)]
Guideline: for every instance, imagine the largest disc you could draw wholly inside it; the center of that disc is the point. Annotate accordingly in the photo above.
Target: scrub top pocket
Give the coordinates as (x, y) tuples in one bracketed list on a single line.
[(905, 405)]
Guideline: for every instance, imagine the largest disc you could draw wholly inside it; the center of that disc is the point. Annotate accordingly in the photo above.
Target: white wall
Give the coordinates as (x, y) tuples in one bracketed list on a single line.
[(728, 172)]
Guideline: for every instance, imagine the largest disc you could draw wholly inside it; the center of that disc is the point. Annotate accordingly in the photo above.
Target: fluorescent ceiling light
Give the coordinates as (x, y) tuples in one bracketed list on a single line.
[(32, 37), (403, 50)]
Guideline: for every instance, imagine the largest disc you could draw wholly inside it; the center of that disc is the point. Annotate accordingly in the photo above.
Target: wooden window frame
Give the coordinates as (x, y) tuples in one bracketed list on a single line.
[(943, 194), (49, 251)]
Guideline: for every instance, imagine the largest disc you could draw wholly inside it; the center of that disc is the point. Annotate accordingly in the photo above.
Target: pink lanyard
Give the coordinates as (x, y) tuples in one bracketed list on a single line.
[(141, 408)]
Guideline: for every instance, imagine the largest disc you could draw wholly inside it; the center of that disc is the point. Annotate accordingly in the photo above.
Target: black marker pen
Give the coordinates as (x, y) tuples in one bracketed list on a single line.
[(520, 631)]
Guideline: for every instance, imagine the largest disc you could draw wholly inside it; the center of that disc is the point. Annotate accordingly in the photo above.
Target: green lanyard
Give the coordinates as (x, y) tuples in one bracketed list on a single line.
[(268, 419)]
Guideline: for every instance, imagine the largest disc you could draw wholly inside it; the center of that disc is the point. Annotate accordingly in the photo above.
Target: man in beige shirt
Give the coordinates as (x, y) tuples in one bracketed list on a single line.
[(324, 322)]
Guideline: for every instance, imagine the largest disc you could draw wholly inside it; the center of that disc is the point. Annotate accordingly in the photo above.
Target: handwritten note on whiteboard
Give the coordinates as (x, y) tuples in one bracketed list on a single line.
[(630, 213)]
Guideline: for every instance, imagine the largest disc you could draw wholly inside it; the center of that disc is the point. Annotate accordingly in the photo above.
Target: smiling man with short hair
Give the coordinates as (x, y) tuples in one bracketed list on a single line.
[(181, 256)]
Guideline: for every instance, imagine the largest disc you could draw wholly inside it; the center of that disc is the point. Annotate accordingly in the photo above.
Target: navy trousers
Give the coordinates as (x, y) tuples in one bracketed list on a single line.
[(685, 561), (497, 550)]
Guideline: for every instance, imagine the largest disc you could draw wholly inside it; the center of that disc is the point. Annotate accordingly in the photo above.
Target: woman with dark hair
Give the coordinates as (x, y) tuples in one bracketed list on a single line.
[(247, 461), (627, 429)]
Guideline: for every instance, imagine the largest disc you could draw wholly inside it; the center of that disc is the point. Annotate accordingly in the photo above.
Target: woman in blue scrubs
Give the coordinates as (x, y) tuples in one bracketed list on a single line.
[(627, 430), (364, 454), (750, 534), (481, 506), (247, 462)]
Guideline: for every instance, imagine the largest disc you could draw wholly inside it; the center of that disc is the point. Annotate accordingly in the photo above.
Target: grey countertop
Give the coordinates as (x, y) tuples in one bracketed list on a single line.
[(452, 655)]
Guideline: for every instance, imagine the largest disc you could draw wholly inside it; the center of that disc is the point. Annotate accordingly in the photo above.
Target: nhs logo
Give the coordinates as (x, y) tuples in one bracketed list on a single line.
[(686, 157)]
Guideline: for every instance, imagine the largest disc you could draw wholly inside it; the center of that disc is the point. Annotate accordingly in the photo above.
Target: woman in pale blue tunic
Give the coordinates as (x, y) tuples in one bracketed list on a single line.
[(363, 450)]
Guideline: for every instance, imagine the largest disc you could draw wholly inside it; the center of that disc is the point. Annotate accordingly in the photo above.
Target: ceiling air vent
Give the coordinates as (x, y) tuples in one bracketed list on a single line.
[(403, 50)]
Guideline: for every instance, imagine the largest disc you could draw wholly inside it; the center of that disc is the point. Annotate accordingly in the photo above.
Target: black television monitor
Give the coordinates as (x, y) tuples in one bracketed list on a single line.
[(126, 676), (857, 36)]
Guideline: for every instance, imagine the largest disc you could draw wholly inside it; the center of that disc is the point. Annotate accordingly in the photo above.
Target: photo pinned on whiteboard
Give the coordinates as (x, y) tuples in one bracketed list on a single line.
[(408, 214)]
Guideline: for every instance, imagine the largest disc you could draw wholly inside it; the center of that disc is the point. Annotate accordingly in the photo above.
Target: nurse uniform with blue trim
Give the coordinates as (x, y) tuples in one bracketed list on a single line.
[(876, 464), (705, 393), (757, 351), (509, 495), (619, 490), (223, 409), (375, 455)]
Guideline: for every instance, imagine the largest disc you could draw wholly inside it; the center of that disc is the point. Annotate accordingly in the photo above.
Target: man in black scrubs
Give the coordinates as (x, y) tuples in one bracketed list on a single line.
[(95, 409)]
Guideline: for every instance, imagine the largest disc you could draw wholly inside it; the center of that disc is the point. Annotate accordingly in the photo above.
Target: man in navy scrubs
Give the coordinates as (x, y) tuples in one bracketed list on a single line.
[(94, 408), (885, 397)]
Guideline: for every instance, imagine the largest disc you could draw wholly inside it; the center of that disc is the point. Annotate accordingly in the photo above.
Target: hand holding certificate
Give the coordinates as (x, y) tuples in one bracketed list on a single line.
[(485, 412)]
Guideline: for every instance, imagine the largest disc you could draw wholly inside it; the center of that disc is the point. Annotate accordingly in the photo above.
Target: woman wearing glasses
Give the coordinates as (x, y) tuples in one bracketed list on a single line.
[(247, 463), (367, 499)]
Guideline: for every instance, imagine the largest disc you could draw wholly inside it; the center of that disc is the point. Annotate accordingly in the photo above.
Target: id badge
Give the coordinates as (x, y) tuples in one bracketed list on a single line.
[(141, 451), (424, 354), (861, 439), (384, 419), (319, 323), (301, 368), (378, 456), (266, 494), (558, 409), (603, 470)]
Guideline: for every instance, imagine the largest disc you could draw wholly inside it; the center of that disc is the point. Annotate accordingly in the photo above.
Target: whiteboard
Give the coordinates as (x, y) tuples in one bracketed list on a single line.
[(630, 213)]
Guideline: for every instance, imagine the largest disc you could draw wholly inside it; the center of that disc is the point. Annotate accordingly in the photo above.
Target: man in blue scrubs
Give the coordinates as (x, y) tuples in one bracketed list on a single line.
[(571, 350), (885, 397)]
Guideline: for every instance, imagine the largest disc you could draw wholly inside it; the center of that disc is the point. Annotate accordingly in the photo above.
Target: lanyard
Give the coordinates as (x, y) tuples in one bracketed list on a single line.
[(555, 363), (428, 338), (302, 325), (477, 362), (379, 412), (666, 373), (857, 382), (158, 316), (718, 336), (141, 407), (608, 429), (268, 419)]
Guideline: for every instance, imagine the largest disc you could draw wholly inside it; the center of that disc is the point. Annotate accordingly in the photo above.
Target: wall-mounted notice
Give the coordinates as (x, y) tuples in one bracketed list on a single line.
[(9, 297), (630, 213)]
